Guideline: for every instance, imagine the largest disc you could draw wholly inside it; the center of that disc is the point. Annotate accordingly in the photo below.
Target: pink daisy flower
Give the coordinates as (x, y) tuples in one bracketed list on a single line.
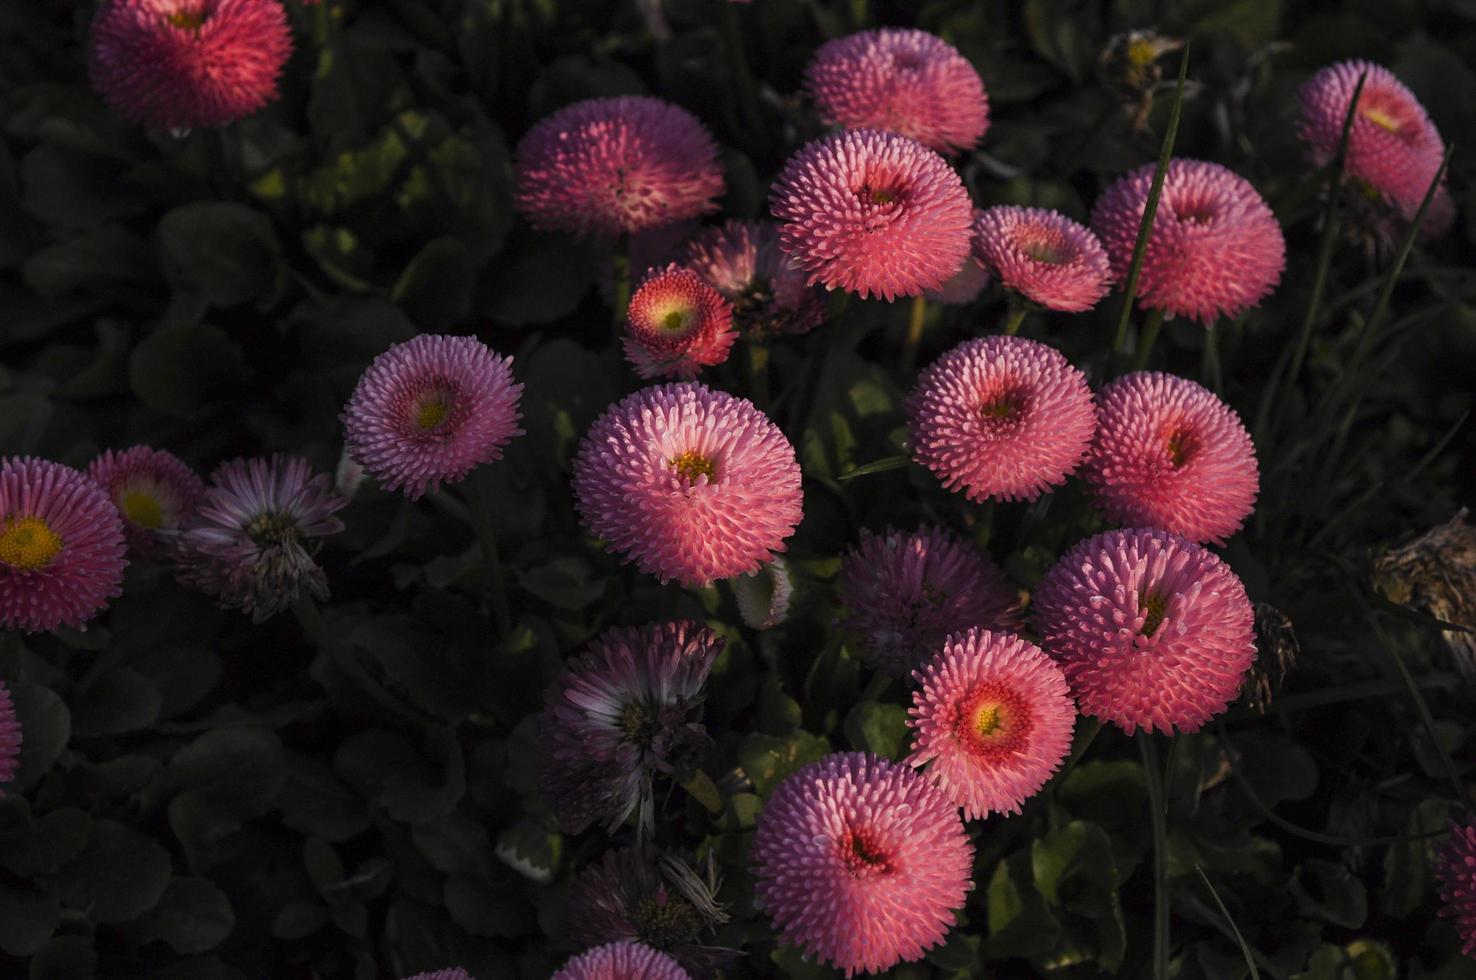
[(1152, 630), (10, 738), (743, 261), (690, 483), (616, 165), (61, 546), (1394, 149), (621, 961), (677, 324), (1001, 417), (872, 213), (186, 64), (993, 716), (251, 541), (860, 862), (904, 81), (430, 410), (1169, 454), (905, 593), (1455, 869), (1215, 249), (650, 249), (1044, 256), (153, 490)]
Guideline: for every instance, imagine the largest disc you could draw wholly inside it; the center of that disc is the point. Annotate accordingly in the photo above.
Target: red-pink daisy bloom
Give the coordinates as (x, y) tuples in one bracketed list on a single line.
[(617, 165), (905, 593), (153, 490), (186, 64), (904, 81), (872, 213), (677, 324), (743, 261), (860, 862), (1394, 149), (10, 738), (1001, 417), (1455, 869), (1169, 454), (622, 961), (1044, 256), (992, 720), (690, 483), (430, 410), (1215, 249), (1152, 630), (61, 546)]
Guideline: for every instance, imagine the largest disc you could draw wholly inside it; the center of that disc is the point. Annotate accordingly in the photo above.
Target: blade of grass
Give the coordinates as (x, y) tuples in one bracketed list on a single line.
[(1245, 951), (876, 466)]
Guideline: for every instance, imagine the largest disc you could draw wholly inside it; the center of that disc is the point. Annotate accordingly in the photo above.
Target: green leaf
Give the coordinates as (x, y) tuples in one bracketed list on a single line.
[(27, 920), (193, 916), (435, 288), (65, 958), (567, 582), (531, 849), (236, 770), (42, 844), (1020, 922), (122, 700), (485, 908), (1409, 876), (99, 257), (117, 877), (225, 251), (47, 725), (341, 254), (538, 279), (767, 759), (1330, 891), (881, 728), (298, 920), (1075, 872), (185, 370), (454, 843), (410, 786), (316, 802)]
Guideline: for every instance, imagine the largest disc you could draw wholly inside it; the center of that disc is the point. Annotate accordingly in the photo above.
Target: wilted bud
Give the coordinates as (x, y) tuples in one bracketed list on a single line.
[(1130, 68), (764, 596), (1436, 573), (1277, 649)]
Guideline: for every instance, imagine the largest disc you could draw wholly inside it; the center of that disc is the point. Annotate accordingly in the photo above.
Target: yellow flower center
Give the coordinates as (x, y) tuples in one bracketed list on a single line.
[(691, 465), (1379, 117), (28, 543), (1142, 53), (988, 719), (1002, 406), (187, 20), (676, 320), (1155, 607), (143, 509), (876, 195), (1180, 447), (432, 412), (1051, 253)]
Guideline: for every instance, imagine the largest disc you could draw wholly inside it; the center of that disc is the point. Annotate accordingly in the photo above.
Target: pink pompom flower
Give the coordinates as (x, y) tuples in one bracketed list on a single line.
[(616, 165), (10, 738), (1169, 454), (743, 261), (621, 961), (677, 324), (185, 64), (992, 720), (153, 490), (1152, 630), (872, 213), (1044, 256), (690, 483), (1215, 249), (430, 410), (905, 593), (61, 546), (1001, 417), (1455, 869), (860, 862), (904, 81)]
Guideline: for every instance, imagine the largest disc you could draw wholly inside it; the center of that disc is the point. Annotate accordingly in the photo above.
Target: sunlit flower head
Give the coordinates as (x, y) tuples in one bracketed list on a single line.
[(1042, 255), (622, 961), (743, 261), (677, 324), (1455, 870), (152, 489)]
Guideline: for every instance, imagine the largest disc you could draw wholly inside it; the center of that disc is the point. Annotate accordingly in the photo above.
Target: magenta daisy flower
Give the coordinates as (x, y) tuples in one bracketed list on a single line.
[(904, 81), (992, 719), (677, 324), (1455, 869), (872, 213), (860, 862), (186, 64), (621, 961), (617, 165), (690, 483), (430, 410), (764, 596), (905, 593), (1152, 630), (1001, 417), (153, 490), (10, 738), (1044, 256), (617, 716), (251, 541), (61, 546), (1215, 249), (743, 261), (1169, 454)]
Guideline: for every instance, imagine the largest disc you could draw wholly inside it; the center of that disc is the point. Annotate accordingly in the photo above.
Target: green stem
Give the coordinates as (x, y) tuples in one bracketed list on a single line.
[(859, 16), (491, 561), (1147, 338), (1209, 370), (758, 375), (748, 103), (1014, 319), (916, 318), (1154, 780), (620, 283)]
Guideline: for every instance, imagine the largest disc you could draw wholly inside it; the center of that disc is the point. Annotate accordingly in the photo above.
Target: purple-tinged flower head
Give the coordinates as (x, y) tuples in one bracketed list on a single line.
[(903, 81), (454, 973), (743, 261), (251, 541), (1215, 249), (1455, 870), (1169, 454), (622, 961), (1044, 256), (872, 213), (677, 324), (61, 546), (186, 64), (430, 410), (905, 593), (764, 596), (690, 483), (1001, 417), (619, 714), (153, 490), (860, 862), (1152, 630), (10, 738), (615, 166), (991, 719)]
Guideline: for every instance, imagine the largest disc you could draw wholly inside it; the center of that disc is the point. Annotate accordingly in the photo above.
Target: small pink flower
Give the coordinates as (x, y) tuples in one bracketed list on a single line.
[(1001, 417), (743, 261), (677, 324), (1455, 869), (153, 490), (621, 961), (1044, 256), (1169, 454), (992, 719), (872, 213), (10, 738), (904, 81)]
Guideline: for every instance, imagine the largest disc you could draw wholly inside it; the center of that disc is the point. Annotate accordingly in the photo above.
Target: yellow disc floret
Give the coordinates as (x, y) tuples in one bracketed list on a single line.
[(28, 543)]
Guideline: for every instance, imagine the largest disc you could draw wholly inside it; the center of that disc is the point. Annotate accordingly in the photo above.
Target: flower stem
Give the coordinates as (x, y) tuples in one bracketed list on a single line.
[(758, 375), (1210, 370), (491, 560), (1147, 337), (748, 104), (916, 318), (1154, 781), (621, 283), (1014, 319)]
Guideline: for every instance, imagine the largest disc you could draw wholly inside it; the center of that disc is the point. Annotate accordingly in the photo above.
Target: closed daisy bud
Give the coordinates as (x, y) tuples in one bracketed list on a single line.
[(153, 490), (677, 324)]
